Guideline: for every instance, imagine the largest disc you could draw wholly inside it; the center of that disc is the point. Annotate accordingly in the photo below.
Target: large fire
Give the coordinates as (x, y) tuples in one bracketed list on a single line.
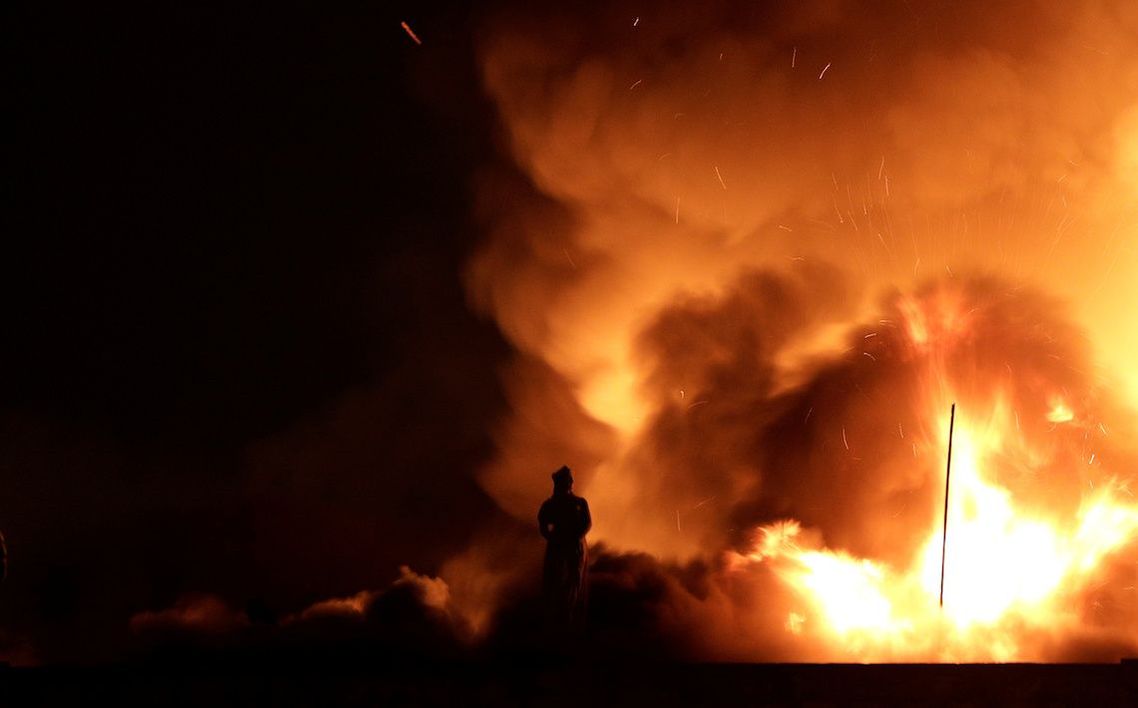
[(1005, 568)]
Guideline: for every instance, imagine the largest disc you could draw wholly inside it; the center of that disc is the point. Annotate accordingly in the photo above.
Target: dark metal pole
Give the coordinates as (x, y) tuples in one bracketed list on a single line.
[(947, 477)]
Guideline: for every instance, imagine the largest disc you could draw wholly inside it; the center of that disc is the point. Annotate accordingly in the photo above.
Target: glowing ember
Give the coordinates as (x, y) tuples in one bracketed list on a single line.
[(410, 32)]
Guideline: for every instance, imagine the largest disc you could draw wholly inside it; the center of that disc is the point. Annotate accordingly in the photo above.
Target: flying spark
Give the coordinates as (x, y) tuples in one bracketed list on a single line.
[(410, 32), (721, 182)]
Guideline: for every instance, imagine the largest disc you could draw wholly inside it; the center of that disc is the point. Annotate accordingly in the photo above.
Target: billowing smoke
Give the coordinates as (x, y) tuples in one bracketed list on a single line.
[(760, 248), (412, 617)]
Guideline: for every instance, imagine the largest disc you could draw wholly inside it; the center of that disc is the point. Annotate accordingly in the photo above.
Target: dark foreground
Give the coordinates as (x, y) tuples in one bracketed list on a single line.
[(562, 684)]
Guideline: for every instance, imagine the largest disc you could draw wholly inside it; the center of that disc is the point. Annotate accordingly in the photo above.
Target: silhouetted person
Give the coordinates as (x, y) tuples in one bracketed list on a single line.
[(564, 520)]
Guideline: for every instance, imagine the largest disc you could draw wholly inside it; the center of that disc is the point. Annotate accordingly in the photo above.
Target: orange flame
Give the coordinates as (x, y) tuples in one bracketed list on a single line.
[(1007, 569), (1060, 411)]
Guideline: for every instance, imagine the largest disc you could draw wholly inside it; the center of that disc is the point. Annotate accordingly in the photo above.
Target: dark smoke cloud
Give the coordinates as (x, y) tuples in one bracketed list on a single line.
[(712, 367)]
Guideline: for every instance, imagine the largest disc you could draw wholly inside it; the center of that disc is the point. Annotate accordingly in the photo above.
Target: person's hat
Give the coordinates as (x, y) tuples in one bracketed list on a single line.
[(563, 474)]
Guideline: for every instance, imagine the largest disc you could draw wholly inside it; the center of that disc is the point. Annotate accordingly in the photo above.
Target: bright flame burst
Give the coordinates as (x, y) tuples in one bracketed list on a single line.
[(1007, 571)]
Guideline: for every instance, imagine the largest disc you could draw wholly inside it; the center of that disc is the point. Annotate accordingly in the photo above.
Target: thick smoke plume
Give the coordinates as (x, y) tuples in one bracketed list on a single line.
[(756, 249)]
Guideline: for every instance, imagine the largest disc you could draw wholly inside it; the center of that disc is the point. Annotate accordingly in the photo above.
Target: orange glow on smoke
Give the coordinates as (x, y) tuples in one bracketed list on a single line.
[(810, 144)]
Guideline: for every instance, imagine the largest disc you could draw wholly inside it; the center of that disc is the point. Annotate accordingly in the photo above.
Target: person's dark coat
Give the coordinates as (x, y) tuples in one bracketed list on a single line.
[(564, 520)]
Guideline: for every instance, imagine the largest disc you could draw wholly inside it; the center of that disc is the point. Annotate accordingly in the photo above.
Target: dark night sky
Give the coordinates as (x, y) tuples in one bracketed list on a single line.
[(233, 311)]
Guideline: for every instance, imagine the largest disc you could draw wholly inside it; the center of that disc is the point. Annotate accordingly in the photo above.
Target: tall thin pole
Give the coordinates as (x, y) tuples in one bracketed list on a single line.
[(947, 477)]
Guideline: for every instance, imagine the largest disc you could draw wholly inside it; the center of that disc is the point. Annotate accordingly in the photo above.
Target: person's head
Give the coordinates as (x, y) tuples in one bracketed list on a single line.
[(562, 480)]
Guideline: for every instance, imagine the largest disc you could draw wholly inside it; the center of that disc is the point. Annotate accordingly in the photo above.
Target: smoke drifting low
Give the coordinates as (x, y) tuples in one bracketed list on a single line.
[(410, 618)]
